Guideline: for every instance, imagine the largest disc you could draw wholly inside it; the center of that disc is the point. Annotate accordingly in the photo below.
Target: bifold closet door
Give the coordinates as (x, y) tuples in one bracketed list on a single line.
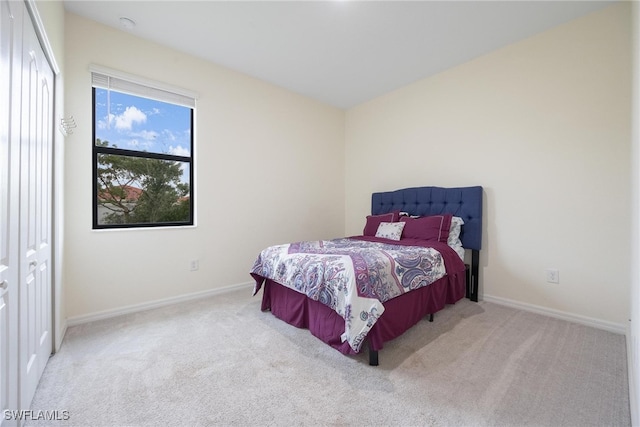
[(36, 150), (10, 66)]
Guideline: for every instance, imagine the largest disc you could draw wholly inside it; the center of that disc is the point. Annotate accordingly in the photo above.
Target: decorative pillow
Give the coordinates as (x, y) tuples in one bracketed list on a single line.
[(454, 236), (454, 231), (390, 230), (373, 222), (434, 227)]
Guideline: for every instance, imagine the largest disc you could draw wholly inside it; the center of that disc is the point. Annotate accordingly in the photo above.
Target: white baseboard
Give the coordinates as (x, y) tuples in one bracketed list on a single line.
[(570, 317), (107, 314)]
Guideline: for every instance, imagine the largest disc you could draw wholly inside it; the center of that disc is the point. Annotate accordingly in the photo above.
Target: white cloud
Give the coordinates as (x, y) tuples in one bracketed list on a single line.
[(130, 116), (179, 151)]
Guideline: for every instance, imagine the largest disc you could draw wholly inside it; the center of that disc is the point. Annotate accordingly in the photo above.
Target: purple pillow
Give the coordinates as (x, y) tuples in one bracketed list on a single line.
[(373, 222), (434, 227)]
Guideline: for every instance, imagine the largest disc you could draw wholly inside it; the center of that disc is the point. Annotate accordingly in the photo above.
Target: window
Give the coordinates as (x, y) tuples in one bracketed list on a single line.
[(142, 153)]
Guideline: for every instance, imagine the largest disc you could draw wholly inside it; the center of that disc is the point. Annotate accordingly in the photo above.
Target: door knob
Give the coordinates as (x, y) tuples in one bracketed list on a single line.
[(33, 263), (4, 285)]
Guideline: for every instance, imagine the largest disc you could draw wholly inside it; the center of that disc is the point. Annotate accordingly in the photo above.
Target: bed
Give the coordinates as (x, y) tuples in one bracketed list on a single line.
[(362, 291)]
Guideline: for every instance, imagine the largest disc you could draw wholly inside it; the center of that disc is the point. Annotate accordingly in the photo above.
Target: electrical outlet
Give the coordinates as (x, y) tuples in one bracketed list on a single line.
[(553, 275), (194, 265)]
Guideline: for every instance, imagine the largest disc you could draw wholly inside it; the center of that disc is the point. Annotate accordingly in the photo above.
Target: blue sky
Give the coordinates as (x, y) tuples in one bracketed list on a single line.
[(135, 123)]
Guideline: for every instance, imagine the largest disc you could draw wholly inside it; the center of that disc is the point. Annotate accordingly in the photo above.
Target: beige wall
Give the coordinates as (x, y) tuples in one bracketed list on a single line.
[(269, 169), (633, 339), (544, 126)]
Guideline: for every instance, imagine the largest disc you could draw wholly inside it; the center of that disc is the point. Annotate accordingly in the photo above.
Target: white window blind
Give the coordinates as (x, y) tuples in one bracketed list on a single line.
[(105, 78)]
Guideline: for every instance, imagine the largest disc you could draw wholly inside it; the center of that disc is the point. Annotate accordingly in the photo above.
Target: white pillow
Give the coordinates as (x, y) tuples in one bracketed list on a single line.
[(390, 230), (454, 231), (454, 236)]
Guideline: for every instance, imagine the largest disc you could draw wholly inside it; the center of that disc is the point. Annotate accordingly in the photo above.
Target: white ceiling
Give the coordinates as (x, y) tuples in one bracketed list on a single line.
[(339, 52)]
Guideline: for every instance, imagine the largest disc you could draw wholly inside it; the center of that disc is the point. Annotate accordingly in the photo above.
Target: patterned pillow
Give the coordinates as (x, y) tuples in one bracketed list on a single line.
[(454, 236), (454, 231), (390, 230)]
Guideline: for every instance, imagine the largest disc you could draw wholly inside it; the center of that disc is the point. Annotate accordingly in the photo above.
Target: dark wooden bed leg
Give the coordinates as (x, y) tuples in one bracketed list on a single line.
[(473, 284), (467, 280), (373, 357), (431, 317)]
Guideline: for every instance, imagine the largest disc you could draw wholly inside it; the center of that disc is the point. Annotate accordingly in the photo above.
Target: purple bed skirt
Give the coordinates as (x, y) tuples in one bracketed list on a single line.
[(400, 314)]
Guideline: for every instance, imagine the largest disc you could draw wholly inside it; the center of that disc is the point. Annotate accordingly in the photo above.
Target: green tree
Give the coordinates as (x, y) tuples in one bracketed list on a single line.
[(141, 190)]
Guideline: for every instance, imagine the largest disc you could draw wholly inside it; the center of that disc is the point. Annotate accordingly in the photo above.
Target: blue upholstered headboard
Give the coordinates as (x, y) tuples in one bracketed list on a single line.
[(465, 202)]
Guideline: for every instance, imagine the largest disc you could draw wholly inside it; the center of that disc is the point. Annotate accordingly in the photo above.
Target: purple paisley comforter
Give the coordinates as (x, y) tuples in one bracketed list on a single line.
[(354, 276)]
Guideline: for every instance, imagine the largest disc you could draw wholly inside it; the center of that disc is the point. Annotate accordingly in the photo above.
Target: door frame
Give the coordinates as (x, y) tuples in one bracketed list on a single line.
[(58, 321)]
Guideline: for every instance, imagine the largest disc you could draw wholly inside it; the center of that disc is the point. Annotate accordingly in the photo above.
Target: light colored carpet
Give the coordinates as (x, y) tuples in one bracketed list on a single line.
[(221, 361)]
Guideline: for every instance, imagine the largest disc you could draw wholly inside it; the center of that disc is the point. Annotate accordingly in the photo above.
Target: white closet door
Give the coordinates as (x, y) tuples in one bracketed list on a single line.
[(36, 135), (10, 37)]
